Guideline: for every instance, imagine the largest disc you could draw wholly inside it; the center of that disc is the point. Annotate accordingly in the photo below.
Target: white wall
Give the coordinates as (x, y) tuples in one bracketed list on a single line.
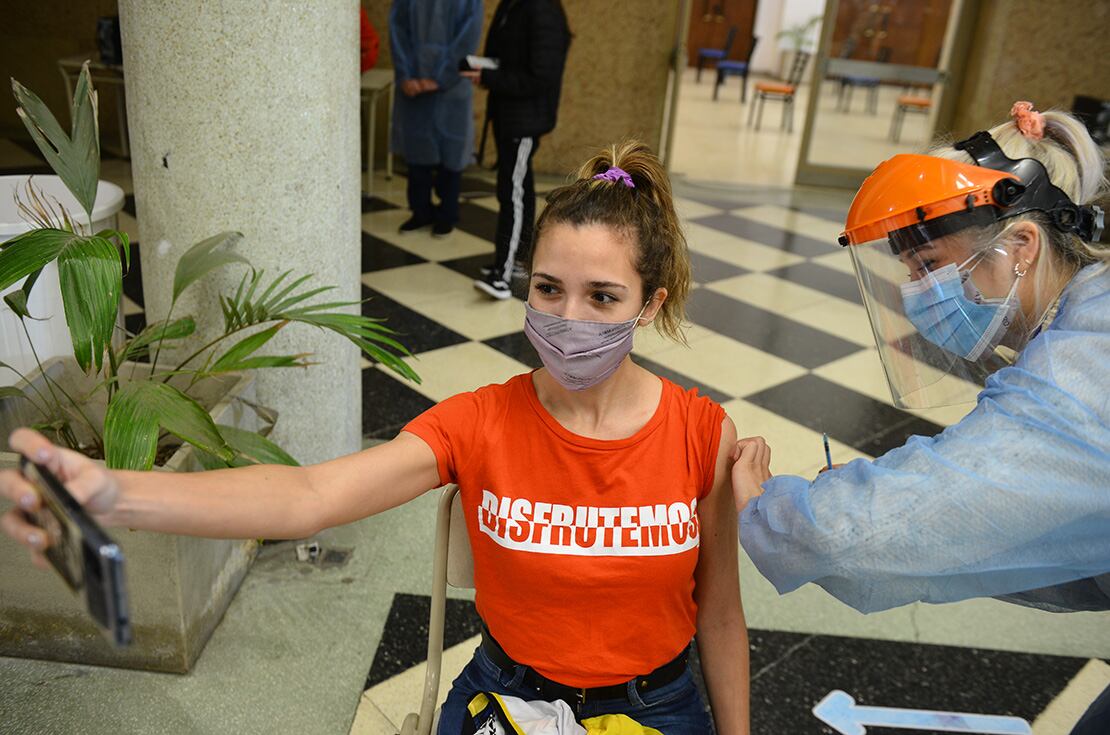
[(771, 16)]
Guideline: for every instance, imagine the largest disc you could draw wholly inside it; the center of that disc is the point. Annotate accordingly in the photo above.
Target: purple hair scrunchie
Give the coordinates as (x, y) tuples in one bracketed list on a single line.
[(615, 174)]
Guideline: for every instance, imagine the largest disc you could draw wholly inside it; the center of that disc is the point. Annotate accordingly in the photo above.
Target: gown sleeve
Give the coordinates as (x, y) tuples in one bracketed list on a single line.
[(1014, 500), (400, 41), (463, 40)]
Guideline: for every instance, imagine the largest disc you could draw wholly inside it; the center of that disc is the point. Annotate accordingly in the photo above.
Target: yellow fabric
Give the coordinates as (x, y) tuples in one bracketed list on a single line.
[(479, 703), (616, 725)]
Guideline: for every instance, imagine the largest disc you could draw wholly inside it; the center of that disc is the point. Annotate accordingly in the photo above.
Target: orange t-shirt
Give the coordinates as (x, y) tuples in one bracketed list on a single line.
[(584, 549)]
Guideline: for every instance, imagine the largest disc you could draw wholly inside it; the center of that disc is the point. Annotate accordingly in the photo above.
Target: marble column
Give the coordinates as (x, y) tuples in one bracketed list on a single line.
[(244, 115)]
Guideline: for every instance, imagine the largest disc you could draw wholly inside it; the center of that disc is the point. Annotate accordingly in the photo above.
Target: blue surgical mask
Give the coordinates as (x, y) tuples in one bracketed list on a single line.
[(946, 314)]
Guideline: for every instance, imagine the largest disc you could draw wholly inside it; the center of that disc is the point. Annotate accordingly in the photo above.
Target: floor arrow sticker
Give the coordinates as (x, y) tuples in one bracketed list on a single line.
[(839, 711)]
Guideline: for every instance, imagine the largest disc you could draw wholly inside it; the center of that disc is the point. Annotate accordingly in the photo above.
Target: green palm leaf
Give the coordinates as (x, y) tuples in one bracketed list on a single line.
[(17, 300), (91, 281), (238, 357), (10, 391), (250, 448), (141, 410), (367, 333), (91, 278), (204, 257), (75, 158), (157, 332), (255, 447), (211, 462), (27, 253)]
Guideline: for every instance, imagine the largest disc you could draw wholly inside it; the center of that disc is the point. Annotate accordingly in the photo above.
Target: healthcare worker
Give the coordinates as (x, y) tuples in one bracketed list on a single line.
[(981, 270), (979, 262), (433, 129)]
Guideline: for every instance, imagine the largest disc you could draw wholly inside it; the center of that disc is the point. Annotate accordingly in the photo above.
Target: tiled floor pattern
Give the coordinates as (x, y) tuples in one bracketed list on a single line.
[(790, 672), (777, 335)]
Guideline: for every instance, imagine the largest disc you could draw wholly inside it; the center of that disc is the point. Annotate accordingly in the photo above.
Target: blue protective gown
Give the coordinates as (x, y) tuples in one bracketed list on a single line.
[(428, 39), (1015, 498)]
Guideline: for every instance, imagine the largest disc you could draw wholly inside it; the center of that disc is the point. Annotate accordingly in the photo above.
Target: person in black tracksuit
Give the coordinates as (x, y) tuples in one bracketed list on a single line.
[(529, 38)]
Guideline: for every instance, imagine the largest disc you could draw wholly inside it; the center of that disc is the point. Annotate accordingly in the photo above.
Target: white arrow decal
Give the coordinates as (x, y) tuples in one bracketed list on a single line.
[(839, 711)]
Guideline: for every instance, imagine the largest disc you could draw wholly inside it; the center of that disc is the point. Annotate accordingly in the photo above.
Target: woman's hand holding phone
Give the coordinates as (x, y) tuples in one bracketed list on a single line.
[(95, 487)]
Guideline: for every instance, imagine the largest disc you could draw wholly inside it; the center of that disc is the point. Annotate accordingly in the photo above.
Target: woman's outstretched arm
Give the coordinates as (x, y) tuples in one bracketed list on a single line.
[(261, 501)]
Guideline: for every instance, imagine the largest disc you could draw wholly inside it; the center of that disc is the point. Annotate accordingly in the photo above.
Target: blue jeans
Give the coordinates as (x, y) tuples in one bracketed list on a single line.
[(673, 709), (1097, 718)]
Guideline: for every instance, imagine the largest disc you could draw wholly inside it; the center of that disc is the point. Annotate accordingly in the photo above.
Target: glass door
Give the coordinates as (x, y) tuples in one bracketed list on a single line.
[(882, 85)]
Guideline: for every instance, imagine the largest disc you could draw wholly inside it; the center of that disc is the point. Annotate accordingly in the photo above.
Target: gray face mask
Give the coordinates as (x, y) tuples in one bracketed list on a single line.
[(579, 354)]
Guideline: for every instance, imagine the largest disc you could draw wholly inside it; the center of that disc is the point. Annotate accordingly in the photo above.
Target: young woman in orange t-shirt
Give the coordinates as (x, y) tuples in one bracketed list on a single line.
[(598, 496)]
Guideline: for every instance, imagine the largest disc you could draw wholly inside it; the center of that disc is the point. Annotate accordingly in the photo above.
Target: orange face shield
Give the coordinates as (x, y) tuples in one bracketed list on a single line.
[(914, 199), (910, 190), (940, 288)]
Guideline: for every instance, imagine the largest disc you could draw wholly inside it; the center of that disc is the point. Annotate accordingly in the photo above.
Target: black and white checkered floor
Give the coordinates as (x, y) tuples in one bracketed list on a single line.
[(779, 338)]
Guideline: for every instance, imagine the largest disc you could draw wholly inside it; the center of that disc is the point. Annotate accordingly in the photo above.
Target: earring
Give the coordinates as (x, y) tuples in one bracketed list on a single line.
[(1021, 273)]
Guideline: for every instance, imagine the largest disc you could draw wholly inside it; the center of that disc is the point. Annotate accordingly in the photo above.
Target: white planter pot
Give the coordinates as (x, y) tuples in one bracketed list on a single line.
[(179, 586)]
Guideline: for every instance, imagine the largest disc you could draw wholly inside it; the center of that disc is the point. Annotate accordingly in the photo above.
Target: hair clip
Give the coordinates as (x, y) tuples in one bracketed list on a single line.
[(615, 174), (1028, 121)]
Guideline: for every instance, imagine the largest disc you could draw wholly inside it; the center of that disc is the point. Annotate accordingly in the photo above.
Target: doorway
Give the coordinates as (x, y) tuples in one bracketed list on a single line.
[(876, 83), (882, 85), (714, 141)]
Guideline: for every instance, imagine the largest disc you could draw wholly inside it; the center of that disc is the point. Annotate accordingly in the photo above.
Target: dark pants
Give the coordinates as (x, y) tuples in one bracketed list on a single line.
[(516, 198), (446, 183), (674, 709), (1096, 721)]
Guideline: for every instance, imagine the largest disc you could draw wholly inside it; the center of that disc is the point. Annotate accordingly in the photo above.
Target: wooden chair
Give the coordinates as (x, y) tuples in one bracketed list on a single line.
[(728, 67), (907, 103), (780, 91), (716, 54)]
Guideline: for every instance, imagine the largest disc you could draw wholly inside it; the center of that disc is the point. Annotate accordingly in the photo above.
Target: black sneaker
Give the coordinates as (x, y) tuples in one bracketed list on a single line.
[(412, 224), (442, 229), (494, 287)]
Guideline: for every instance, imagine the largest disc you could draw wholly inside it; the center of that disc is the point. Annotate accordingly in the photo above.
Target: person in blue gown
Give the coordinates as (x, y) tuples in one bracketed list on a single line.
[(981, 270), (433, 126)]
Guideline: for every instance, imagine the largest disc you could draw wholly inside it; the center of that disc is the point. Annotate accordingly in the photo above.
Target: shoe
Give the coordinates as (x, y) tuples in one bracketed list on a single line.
[(494, 287), (412, 224), (442, 229), (486, 271)]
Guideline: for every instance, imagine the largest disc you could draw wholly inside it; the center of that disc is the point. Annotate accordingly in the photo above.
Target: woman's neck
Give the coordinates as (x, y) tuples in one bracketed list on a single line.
[(1048, 296), (627, 397)]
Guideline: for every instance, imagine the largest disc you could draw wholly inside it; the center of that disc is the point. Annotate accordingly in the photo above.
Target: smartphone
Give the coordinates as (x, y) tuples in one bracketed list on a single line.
[(85, 557), (477, 63)]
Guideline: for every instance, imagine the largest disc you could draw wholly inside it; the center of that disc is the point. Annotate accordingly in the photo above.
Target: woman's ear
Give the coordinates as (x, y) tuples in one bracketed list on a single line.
[(1024, 242), (653, 307)]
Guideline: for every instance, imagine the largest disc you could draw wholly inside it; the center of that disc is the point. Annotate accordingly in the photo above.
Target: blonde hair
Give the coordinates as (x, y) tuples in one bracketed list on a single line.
[(644, 212), (1077, 166)]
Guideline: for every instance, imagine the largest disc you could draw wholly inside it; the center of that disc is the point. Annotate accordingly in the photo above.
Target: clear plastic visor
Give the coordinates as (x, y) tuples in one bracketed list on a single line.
[(941, 312)]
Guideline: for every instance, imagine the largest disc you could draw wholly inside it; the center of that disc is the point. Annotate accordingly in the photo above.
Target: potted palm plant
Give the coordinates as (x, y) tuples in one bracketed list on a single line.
[(151, 400)]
